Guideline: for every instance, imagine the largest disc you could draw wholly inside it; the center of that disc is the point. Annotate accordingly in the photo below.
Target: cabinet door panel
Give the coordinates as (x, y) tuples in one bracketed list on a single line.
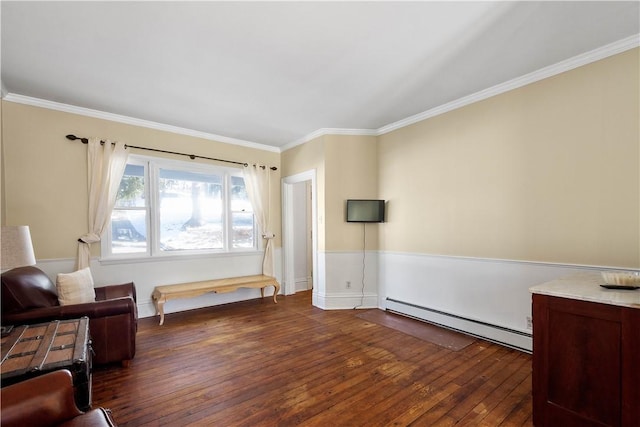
[(631, 367), (584, 362)]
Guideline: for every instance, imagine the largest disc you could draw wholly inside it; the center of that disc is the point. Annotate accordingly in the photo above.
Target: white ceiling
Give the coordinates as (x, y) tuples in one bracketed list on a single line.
[(272, 73)]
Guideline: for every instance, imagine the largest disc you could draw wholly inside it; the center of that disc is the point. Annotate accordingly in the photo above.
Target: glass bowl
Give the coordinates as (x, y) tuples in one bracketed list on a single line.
[(621, 278)]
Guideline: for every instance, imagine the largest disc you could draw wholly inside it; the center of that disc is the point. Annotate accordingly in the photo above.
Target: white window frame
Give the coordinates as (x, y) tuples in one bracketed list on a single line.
[(152, 166)]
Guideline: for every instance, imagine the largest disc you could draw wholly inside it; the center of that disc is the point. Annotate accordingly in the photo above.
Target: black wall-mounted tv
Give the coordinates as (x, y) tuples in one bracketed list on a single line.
[(365, 210)]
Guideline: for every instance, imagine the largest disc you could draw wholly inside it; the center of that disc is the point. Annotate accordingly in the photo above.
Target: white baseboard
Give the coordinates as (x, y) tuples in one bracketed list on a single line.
[(509, 337), (343, 279), (489, 298), (346, 302), (302, 284)]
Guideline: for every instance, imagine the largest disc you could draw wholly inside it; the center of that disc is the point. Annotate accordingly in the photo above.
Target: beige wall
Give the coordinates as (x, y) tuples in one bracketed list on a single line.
[(548, 172), (346, 168), (304, 158), (45, 175), (351, 172)]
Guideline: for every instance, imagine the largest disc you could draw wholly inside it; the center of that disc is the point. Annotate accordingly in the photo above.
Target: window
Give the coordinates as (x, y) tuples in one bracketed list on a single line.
[(166, 207)]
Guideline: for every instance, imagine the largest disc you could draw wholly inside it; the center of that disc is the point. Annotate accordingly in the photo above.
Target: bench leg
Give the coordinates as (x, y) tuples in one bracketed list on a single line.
[(159, 308), (276, 289), (161, 312)]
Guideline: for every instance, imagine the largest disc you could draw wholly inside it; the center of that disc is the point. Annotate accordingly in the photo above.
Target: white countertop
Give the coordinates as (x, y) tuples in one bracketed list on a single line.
[(586, 287)]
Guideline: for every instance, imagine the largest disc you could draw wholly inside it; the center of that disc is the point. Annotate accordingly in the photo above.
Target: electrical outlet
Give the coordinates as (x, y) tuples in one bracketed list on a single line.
[(348, 284), (529, 322)]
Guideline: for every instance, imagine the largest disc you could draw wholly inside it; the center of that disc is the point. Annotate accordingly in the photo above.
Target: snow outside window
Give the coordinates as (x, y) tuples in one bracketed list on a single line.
[(168, 208)]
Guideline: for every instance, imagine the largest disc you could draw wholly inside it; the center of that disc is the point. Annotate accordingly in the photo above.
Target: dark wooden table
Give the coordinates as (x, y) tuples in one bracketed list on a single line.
[(32, 350)]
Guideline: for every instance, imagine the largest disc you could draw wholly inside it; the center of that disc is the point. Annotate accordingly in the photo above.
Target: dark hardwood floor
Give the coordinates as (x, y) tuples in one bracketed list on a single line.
[(256, 363)]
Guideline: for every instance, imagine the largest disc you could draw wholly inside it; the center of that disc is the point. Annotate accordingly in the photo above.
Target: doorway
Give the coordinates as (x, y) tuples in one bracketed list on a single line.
[(302, 236), (299, 224)]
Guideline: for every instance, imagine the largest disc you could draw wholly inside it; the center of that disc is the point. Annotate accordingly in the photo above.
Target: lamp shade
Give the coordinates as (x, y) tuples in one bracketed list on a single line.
[(17, 249)]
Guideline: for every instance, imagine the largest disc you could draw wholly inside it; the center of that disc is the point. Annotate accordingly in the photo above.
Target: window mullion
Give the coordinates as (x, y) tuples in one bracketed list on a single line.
[(226, 203), (153, 209)]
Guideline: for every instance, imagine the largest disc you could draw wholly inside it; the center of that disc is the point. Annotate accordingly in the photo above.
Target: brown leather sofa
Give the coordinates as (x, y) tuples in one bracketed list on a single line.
[(46, 401), (29, 297)]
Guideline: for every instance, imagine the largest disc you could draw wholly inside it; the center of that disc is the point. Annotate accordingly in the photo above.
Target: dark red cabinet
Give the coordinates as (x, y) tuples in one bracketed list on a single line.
[(586, 363)]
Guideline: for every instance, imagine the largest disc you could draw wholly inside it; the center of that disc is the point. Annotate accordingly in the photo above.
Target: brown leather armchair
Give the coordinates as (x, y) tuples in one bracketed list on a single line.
[(46, 401), (29, 296)]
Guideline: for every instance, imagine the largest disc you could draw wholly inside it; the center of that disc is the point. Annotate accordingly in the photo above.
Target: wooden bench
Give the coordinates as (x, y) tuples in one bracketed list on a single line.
[(164, 293)]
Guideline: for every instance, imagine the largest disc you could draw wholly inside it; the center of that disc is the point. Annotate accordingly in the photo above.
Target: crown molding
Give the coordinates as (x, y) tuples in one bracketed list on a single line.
[(43, 103), (328, 131), (541, 74), (544, 73)]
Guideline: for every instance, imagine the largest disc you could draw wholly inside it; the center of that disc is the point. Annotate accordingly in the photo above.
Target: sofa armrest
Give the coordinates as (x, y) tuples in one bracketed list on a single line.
[(116, 291), (46, 400), (93, 310), (95, 418)]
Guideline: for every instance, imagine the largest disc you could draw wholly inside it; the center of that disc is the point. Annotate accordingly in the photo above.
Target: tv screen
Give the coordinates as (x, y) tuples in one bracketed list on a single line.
[(365, 210)]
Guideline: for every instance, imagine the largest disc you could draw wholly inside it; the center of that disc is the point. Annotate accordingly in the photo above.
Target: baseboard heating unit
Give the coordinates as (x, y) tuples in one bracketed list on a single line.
[(499, 334)]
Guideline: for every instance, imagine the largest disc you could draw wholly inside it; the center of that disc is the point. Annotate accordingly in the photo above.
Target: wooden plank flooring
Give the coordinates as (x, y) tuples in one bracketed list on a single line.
[(256, 363)]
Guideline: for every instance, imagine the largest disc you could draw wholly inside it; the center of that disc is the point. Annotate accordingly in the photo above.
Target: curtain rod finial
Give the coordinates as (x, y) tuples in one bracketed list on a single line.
[(73, 138)]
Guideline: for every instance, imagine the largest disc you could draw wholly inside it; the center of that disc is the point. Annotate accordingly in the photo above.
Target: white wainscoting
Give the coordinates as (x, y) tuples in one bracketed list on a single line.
[(484, 297), (148, 274), (303, 283), (335, 269)]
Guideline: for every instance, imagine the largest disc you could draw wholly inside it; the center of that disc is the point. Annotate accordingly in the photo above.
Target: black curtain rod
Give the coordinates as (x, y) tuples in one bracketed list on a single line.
[(191, 156)]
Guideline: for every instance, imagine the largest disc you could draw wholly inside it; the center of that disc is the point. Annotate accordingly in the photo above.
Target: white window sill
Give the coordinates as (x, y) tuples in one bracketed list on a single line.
[(162, 258)]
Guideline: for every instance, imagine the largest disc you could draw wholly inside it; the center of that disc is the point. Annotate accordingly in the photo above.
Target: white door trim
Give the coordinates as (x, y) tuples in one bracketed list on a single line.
[(288, 245)]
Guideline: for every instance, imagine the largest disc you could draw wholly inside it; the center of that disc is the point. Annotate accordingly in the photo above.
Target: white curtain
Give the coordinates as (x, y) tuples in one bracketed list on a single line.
[(106, 163), (258, 183)]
